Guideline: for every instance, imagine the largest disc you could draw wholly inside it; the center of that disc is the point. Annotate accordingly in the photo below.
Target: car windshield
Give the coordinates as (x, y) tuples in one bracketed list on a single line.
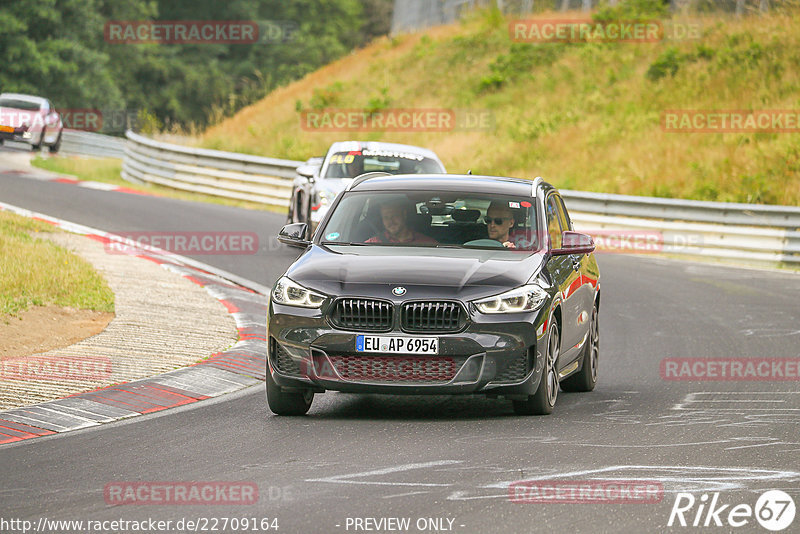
[(433, 219), (6, 102), (349, 164)]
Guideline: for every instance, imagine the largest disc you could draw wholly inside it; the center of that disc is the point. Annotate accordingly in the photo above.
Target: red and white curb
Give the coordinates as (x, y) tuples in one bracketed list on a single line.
[(243, 365), (38, 174)]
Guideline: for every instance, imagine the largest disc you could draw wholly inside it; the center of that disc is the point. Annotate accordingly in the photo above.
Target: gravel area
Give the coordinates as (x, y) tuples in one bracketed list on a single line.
[(163, 322)]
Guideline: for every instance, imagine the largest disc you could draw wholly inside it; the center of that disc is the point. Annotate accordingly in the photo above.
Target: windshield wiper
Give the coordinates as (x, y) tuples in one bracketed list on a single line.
[(345, 243)]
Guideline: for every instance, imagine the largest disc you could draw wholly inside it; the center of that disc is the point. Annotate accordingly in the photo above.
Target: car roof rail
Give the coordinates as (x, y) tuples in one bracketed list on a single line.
[(364, 177), (536, 183)]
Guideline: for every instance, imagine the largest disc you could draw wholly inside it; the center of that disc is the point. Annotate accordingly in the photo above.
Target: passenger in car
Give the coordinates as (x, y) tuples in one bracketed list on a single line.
[(394, 216)]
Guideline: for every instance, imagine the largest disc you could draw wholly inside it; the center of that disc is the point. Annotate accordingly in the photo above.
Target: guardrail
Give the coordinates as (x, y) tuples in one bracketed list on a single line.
[(741, 232), (748, 233), (91, 144), (212, 172)]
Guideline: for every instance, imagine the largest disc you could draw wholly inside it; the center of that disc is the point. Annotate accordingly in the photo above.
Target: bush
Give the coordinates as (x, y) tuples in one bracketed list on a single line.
[(378, 103), (667, 63), (520, 60), (633, 10), (326, 97)]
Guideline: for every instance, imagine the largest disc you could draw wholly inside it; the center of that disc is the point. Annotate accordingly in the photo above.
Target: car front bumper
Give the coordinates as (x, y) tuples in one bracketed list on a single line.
[(493, 354), (19, 135), (31, 136)]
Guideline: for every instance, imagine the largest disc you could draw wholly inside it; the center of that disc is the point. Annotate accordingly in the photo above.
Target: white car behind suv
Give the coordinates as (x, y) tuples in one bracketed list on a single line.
[(319, 181), (30, 119)]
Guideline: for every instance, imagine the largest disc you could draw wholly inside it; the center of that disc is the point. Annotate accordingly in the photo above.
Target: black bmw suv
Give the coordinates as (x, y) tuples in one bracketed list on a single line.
[(436, 284)]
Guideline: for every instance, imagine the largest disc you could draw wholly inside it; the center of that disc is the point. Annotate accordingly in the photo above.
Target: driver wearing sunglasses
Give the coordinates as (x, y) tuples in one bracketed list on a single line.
[(499, 222)]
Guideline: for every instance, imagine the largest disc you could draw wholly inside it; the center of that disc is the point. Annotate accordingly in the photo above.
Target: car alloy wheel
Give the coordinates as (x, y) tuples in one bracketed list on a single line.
[(55, 147), (38, 146), (586, 378), (542, 402), (298, 216), (594, 345), (551, 364)]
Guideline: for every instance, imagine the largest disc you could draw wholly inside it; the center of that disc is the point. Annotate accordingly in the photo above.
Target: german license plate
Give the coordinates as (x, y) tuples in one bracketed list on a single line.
[(6, 128), (397, 345)]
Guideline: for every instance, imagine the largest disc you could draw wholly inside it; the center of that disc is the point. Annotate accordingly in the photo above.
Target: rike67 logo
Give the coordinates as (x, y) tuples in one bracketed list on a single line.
[(774, 510)]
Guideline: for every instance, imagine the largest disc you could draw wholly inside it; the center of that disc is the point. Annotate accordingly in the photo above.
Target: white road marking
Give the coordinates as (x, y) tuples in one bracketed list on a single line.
[(681, 478), (699, 399), (345, 479), (405, 494)]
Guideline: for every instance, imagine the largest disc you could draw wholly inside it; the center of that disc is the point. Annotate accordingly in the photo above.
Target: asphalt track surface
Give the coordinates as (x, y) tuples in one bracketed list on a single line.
[(448, 457)]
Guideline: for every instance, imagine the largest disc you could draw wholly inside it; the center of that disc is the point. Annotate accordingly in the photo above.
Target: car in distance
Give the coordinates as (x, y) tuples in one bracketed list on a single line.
[(436, 284), (30, 119), (319, 181)]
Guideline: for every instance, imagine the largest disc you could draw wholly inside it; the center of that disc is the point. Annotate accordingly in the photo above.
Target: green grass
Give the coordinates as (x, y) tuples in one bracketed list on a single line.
[(107, 170), (583, 115), (37, 272)]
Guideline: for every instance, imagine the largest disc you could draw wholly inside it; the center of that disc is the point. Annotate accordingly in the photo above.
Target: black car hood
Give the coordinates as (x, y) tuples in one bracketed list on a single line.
[(423, 272)]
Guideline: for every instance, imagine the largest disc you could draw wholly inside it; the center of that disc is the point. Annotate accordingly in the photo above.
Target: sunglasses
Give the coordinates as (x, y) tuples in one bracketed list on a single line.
[(496, 220)]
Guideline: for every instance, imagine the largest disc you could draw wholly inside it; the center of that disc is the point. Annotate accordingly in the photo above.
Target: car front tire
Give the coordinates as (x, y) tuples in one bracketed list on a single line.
[(542, 402), (298, 213), (283, 403), (55, 147), (38, 146)]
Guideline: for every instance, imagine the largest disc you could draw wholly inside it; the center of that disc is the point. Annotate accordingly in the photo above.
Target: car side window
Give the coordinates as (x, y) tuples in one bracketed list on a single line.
[(553, 223), (563, 216)]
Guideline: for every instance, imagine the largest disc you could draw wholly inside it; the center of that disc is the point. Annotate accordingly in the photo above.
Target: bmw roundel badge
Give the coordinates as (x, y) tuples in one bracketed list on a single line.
[(399, 291)]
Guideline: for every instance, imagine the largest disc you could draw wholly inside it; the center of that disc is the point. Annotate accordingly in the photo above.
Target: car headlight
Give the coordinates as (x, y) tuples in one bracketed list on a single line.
[(527, 298), (291, 293), (325, 197)]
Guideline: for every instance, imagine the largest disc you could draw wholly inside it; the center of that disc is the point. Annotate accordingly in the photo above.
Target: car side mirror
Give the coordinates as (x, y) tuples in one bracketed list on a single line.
[(307, 171), (574, 243), (294, 235)]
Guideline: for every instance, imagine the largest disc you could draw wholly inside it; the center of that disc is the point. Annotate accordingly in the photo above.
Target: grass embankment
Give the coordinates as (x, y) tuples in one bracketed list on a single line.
[(107, 170), (36, 272), (584, 115)]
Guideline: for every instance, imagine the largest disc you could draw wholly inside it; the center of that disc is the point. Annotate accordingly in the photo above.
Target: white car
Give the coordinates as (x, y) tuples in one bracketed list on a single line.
[(30, 119), (319, 181)]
